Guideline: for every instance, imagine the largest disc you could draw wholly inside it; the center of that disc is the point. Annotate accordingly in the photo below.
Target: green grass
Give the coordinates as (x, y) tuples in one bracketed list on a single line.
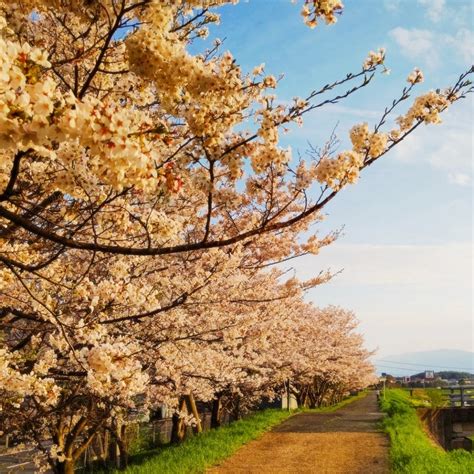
[(412, 451), (209, 448), (437, 399), (202, 451), (428, 398)]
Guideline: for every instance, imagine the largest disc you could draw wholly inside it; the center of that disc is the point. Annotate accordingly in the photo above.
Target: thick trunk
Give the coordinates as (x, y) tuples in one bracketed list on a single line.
[(216, 412), (237, 414), (122, 454), (322, 394), (118, 446), (299, 392), (178, 430), (304, 400), (175, 428), (103, 442), (66, 467), (299, 397), (313, 402)]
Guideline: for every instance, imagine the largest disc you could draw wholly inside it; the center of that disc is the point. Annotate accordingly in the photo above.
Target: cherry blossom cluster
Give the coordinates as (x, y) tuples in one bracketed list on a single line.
[(374, 58), (20, 384), (26, 102), (325, 9), (415, 77), (341, 170), (426, 108), (371, 144)]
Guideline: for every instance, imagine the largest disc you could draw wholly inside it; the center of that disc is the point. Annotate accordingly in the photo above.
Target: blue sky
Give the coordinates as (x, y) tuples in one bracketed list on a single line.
[(407, 244)]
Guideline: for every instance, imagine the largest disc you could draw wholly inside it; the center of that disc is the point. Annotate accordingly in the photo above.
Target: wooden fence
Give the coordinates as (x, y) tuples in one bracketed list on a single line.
[(460, 395)]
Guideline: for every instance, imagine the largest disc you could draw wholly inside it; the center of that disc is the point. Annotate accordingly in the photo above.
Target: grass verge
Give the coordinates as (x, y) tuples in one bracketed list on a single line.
[(200, 452), (412, 451)]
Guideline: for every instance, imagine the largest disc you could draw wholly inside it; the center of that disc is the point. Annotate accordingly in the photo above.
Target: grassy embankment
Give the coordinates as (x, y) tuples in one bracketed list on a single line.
[(200, 452), (412, 451)]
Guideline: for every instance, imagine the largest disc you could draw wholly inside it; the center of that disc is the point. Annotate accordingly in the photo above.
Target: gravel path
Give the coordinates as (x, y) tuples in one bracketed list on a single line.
[(344, 442)]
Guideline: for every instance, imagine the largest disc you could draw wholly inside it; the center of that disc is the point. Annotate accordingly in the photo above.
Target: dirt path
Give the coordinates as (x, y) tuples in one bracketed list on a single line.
[(344, 442)]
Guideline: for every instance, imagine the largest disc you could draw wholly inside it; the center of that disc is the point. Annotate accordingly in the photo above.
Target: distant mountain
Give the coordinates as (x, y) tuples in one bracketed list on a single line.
[(447, 375), (411, 363)]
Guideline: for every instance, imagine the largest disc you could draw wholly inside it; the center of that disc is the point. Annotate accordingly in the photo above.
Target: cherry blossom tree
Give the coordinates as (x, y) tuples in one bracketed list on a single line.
[(337, 363), (120, 120), (144, 203)]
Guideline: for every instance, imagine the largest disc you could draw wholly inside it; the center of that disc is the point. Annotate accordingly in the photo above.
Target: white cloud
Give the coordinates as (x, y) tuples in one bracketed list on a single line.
[(462, 44), (461, 179), (419, 267), (435, 9), (392, 5), (425, 45), (416, 44), (402, 294), (454, 12)]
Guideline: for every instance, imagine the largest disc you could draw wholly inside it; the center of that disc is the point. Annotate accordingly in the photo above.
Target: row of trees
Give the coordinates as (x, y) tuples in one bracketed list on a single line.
[(145, 207)]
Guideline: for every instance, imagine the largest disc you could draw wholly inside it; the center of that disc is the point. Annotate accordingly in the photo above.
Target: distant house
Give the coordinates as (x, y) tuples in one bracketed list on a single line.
[(430, 378)]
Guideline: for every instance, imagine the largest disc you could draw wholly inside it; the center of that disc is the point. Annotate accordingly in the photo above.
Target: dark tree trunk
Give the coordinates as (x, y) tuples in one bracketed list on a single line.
[(123, 454), (237, 414), (66, 467), (299, 393), (178, 430), (313, 401), (216, 412), (122, 447)]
